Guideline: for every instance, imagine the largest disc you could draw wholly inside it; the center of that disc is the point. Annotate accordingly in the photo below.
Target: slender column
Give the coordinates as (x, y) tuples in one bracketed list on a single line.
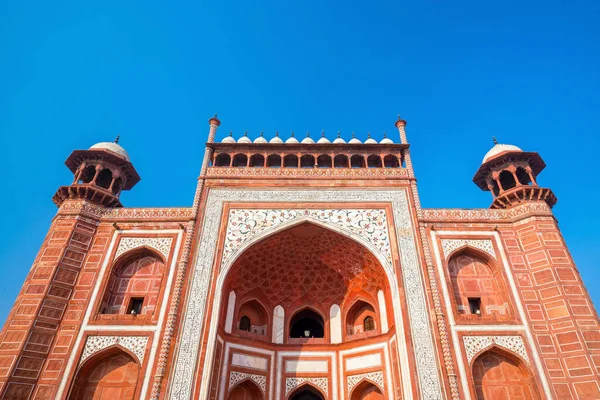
[(181, 269), (530, 173), (98, 169)]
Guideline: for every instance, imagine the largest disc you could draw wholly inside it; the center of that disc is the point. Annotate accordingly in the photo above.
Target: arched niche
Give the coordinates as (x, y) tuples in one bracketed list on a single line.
[(222, 160), (245, 390), (507, 180), (112, 373), (498, 374), (366, 390), (134, 286), (253, 318), (361, 319), (478, 286), (307, 324), (307, 392)]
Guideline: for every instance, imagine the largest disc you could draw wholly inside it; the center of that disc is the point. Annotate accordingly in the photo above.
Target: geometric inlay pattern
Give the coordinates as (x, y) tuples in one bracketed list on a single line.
[(449, 245), (245, 224), (292, 383), (474, 344), (236, 377), (162, 245), (354, 380), (135, 344), (306, 259), (202, 273)]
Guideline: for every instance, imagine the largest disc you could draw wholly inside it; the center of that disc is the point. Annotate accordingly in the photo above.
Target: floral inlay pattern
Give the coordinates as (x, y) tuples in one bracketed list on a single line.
[(293, 383), (135, 344), (246, 224), (474, 344), (162, 245), (354, 380), (236, 377), (449, 245)]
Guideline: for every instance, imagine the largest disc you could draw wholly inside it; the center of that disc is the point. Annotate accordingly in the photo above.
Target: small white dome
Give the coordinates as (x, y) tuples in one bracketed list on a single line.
[(370, 140), (354, 140), (276, 139), (338, 139), (260, 139), (112, 147), (386, 140), (228, 139), (292, 139), (307, 139), (499, 149), (245, 138), (323, 139)]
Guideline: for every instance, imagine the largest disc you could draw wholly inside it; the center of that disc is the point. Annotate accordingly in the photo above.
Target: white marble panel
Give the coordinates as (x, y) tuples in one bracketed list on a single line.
[(247, 361), (278, 324), (335, 323), (306, 366), (382, 311), (230, 311), (360, 362)]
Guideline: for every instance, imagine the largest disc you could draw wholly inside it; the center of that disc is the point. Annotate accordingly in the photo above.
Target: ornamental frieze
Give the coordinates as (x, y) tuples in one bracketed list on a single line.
[(95, 344), (474, 344)]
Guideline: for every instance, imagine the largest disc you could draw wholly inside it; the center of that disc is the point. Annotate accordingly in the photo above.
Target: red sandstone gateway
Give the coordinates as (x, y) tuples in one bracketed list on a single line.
[(302, 270)]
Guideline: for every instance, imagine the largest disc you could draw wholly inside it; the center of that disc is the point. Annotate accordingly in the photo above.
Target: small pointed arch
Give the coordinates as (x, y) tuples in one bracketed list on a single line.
[(374, 161), (104, 178), (523, 176), (307, 161), (475, 252), (135, 283), (246, 389), (341, 161), (324, 161), (88, 173), (366, 389), (257, 160), (290, 161), (357, 161), (359, 311), (253, 317), (240, 160), (478, 285), (507, 180), (117, 185), (307, 391), (307, 322), (499, 373), (391, 161), (274, 161), (115, 370), (222, 160)]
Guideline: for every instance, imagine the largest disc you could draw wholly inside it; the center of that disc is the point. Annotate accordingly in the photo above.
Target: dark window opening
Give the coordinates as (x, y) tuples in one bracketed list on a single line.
[(357, 161), (88, 174), (523, 176), (324, 161), (340, 161), (369, 324), (307, 161), (307, 393), (374, 161), (507, 180), (495, 188), (245, 324), (135, 305), (257, 160), (104, 178), (475, 305), (274, 161), (240, 160), (290, 161), (223, 160), (391, 161), (307, 324)]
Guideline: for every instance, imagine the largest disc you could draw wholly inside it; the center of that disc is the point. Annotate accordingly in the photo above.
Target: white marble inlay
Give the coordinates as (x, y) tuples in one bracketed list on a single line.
[(335, 323), (278, 324), (162, 245), (135, 344), (306, 366), (485, 245), (475, 344), (366, 361), (247, 361)]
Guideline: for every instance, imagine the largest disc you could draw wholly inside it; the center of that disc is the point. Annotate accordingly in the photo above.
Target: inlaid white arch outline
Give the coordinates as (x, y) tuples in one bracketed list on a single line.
[(502, 349), (388, 268), (364, 378)]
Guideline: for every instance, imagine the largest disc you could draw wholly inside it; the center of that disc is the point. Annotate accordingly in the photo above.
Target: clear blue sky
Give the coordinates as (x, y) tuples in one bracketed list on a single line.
[(75, 73)]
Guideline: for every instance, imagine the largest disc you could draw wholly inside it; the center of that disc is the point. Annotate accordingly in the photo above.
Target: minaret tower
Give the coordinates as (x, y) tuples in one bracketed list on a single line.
[(100, 174), (511, 175)]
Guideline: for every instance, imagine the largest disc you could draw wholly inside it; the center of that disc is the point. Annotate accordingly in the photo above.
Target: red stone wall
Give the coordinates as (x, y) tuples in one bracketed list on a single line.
[(560, 312)]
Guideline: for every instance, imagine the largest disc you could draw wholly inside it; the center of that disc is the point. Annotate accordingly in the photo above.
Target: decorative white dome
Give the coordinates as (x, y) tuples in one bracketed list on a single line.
[(386, 140), (338, 139), (354, 140), (228, 139), (245, 138), (370, 140), (499, 149), (276, 139), (292, 139), (112, 147), (260, 139), (307, 139), (323, 139)]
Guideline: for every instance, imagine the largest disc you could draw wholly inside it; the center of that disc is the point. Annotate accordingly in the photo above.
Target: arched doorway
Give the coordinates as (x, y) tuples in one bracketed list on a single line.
[(246, 390), (112, 375), (366, 391), (498, 375), (306, 392), (307, 324)]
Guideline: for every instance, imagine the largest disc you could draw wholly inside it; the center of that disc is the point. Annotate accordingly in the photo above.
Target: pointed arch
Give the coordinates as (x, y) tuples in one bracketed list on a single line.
[(366, 389), (307, 391), (246, 389), (114, 370), (498, 373)]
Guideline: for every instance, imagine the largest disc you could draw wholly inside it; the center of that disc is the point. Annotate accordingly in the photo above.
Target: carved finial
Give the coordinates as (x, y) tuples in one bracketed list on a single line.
[(339, 134), (322, 132), (246, 133), (353, 136), (276, 133), (399, 117), (494, 139), (368, 135), (384, 135), (216, 115), (230, 133), (292, 133), (261, 133), (307, 134), (117, 138)]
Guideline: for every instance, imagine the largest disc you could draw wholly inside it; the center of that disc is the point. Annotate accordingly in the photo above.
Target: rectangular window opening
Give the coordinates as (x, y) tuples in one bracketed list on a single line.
[(135, 305), (475, 305)]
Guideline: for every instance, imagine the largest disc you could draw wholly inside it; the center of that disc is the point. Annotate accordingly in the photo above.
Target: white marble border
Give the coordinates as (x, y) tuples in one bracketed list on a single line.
[(189, 344)]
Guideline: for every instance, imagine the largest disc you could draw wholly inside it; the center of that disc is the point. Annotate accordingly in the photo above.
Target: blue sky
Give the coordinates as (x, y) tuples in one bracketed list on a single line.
[(76, 73)]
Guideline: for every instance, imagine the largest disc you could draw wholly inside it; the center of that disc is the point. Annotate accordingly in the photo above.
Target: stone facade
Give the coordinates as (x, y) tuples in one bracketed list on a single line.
[(302, 269)]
